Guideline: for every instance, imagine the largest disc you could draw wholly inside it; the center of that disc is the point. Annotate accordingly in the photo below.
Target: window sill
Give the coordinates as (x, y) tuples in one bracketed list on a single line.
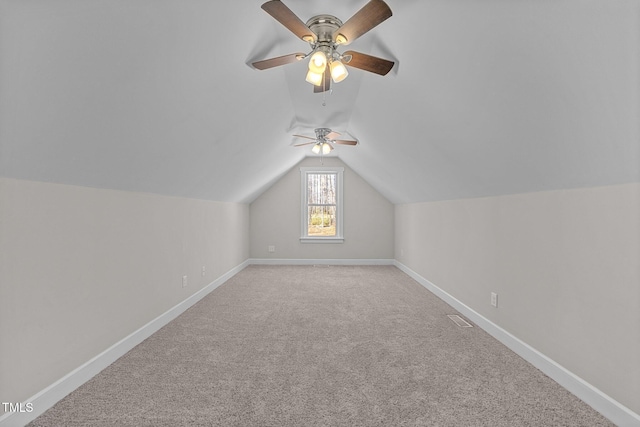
[(322, 240)]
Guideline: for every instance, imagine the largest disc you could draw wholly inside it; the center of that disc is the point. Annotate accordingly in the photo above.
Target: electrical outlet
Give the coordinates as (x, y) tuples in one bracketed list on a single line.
[(204, 270), (271, 248), (184, 281), (494, 299)]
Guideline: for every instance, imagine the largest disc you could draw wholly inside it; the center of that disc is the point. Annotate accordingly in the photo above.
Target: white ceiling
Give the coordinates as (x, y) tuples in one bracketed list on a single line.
[(487, 97)]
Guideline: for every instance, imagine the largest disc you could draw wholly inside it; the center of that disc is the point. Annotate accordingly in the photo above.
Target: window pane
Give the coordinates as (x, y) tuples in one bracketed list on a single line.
[(322, 221), (321, 188)]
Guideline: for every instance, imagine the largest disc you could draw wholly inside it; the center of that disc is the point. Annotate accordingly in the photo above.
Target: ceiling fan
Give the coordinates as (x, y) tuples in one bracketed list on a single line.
[(323, 141), (325, 33)]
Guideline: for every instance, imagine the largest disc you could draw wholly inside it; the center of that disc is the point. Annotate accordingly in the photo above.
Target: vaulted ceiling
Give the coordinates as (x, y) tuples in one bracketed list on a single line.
[(487, 97)]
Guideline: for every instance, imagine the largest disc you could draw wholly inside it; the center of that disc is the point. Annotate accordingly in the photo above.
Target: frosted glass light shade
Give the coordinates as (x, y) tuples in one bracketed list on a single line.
[(326, 148), (338, 71), (316, 148), (314, 78), (318, 62)]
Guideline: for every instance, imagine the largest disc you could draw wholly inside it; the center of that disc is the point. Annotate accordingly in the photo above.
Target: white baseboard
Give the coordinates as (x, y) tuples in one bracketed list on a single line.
[(607, 406), (45, 399), (288, 261), (48, 397)]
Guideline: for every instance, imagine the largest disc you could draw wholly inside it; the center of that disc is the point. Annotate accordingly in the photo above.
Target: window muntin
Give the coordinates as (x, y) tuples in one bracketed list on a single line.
[(321, 204)]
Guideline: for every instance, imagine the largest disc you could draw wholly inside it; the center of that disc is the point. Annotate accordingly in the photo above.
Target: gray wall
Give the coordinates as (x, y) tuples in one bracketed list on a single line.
[(368, 220), (565, 265), (82, 268)]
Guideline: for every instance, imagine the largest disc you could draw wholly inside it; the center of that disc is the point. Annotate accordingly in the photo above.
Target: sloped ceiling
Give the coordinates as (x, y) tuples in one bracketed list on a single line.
[(487, 97)]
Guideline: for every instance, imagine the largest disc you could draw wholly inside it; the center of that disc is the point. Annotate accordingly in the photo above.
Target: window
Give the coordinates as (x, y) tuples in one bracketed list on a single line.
[(321, 205)]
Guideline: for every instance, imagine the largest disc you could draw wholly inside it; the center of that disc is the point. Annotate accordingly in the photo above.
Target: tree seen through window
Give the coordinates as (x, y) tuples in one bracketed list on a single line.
[(321, 203)]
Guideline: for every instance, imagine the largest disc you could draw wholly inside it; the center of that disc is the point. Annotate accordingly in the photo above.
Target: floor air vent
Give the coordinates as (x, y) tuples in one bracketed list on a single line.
[(459, 321)]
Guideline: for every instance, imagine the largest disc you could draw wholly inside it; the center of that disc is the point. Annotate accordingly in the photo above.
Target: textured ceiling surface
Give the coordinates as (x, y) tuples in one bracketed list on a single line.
[(487, 97)]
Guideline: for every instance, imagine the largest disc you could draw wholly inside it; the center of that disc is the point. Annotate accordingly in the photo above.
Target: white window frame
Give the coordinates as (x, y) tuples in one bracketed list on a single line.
[(304, 221)]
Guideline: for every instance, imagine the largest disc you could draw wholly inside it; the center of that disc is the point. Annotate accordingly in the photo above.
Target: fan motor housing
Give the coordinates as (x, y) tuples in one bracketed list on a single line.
[(324, 26), (321, 133)]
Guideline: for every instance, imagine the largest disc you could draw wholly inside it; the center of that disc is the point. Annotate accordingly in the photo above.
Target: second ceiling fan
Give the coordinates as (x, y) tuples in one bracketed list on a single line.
[(325, 33), (323, 141)]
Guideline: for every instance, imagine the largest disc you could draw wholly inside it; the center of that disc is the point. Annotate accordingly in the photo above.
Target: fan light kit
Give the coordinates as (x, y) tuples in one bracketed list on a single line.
[(323, 141), (325, 33)]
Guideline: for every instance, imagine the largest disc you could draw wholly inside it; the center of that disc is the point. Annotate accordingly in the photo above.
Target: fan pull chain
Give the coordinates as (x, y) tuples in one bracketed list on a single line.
[(324, 93), (324, 97)]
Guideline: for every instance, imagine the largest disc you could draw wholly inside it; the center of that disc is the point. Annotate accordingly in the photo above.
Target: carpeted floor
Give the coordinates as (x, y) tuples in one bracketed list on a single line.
[(320, 346)]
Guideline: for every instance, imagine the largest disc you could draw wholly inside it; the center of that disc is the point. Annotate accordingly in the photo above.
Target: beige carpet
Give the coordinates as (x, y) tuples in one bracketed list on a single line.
[(320, 346)]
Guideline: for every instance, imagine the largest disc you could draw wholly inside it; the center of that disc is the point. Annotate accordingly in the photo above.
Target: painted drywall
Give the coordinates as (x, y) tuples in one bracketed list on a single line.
[(82, 268), (368, 220), (565, 265), (487, 97)]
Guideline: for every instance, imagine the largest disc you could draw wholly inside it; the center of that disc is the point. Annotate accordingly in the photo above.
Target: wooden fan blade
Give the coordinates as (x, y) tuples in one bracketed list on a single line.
[(369, 63), (332, 135), (326, 82), (372, 14), (286, 17), (345, 142), (304, 143), (280, 60), (304, 136)]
